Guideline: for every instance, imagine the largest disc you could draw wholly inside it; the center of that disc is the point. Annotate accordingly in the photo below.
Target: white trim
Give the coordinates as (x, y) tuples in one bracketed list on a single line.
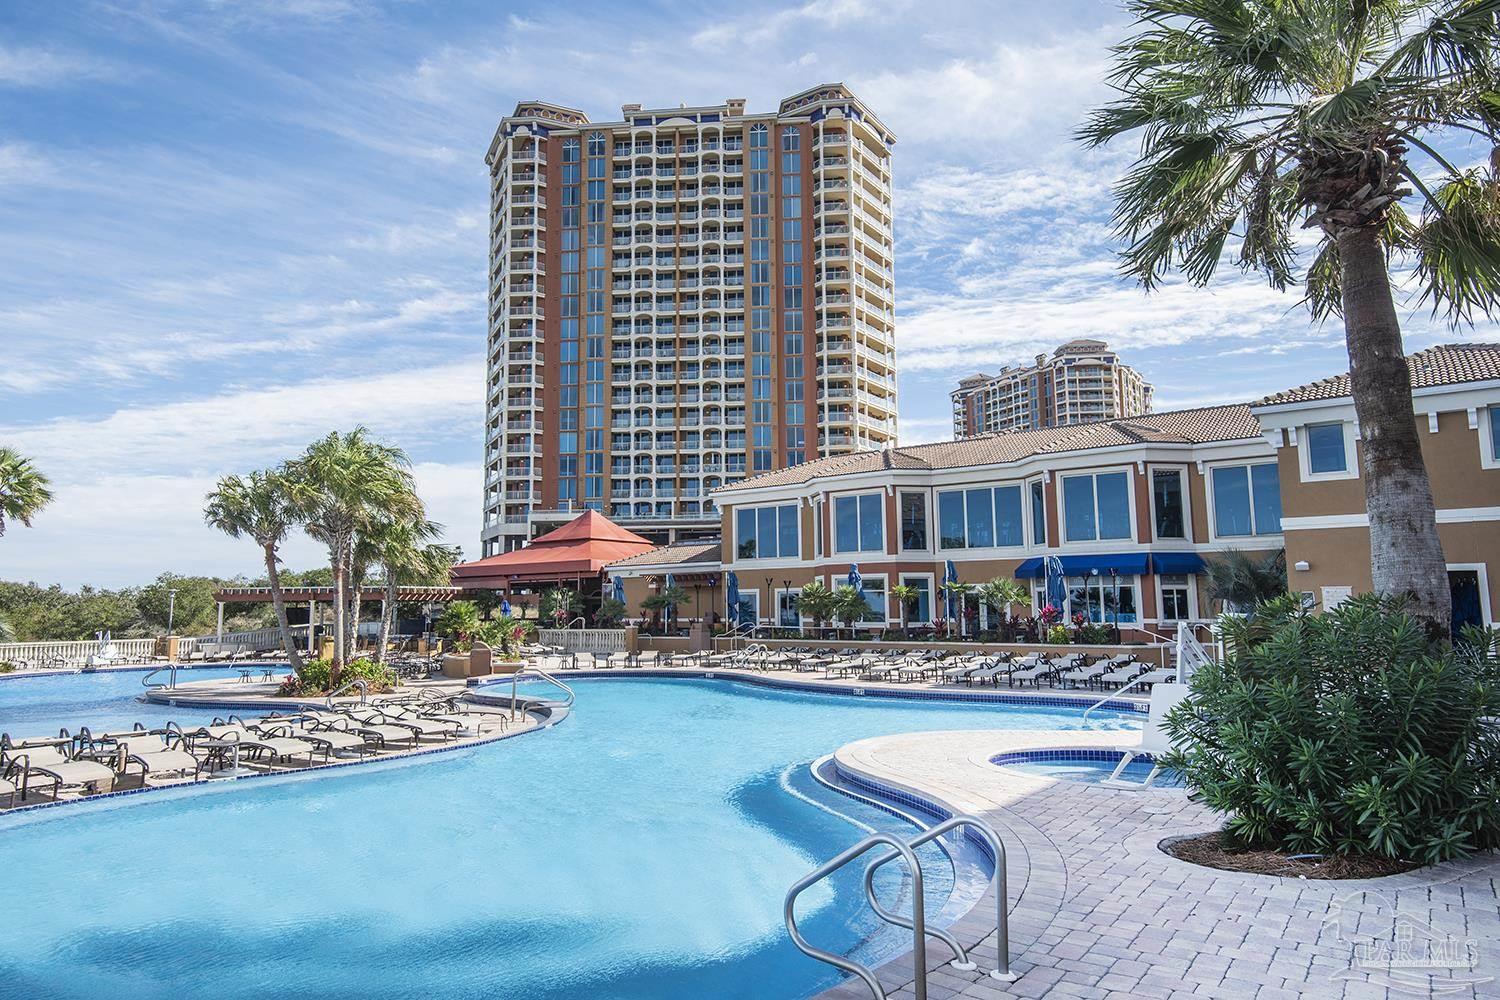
[(927, 511), (992, 551), (1192, 594), (932, 595), (1036, 543), (1485, 613), (1208, 497), (1489, 423), (834, 523), (1447, 515), (1098, 539), (1304, 453)]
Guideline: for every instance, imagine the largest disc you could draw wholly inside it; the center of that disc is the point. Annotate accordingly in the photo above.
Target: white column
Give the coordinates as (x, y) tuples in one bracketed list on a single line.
[(312, 632), (220, 635)]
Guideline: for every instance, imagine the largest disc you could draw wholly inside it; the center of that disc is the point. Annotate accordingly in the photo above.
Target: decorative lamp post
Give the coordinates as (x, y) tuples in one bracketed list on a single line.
[(171, 607), (770, 600)]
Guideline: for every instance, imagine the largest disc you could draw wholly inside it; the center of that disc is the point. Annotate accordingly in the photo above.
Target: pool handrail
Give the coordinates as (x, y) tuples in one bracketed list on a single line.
[(918, 914), (998, 886), (358, 682), (171, 677), (568, 695)]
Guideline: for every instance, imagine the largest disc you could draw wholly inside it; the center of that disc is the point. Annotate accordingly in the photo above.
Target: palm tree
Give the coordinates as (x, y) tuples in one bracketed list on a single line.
[(1241, 580), (400, 550), (849, 605), (1001, 593), (344, 485), (815, 601), (1257, 115), (258, 506), (23, 490), (958, 591), (673, 597), (905, 595)]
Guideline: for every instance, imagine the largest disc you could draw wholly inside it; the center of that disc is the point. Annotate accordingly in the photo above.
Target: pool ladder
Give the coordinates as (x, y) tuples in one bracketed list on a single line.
[(917, 924)]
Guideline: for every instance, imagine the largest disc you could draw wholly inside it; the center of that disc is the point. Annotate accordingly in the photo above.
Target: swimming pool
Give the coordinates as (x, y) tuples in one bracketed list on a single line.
[(639, 849), (1090, 767), (102, 700)]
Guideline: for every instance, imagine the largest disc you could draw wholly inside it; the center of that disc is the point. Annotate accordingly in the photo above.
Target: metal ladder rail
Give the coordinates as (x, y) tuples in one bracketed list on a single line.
[(358, 682), (918, 915), (998, 886), (171, 677)]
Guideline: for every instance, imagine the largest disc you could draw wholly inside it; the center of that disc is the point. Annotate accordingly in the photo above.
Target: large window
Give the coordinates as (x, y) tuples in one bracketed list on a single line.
[(981, 518), (875, 598), (913, 522), (858, 523), (1166, 503), (1325, 448), (1096, 507), (920, 610), (1102, 599), (767, 532), (1247, 500), (1038, 513)]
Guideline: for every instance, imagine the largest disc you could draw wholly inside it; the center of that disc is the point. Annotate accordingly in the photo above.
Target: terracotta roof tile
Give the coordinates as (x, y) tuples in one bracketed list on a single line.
[(1213, 423), (672, 555), (1445, 364)]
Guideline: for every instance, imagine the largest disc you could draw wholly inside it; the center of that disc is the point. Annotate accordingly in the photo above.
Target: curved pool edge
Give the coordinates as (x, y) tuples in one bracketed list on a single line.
[(548, 715)]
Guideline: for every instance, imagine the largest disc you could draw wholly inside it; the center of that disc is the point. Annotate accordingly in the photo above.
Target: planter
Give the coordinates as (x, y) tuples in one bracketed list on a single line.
[(456, 665)]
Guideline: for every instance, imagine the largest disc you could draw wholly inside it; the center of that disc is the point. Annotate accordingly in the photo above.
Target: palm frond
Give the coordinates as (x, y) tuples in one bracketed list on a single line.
[(1458, 249), (1460, 42)]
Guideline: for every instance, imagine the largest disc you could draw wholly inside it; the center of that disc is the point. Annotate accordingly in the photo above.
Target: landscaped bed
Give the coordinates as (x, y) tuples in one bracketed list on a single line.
[(1211, 851)]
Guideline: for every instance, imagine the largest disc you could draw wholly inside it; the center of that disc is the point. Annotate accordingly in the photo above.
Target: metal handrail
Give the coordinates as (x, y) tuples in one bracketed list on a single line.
[(918, 915), (998, 886), (567, 691), (171, 678), (358, 682)]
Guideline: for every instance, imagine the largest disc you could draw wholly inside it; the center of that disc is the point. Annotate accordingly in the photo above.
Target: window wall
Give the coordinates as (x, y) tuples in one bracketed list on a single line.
[(1325, 448), (981, 518), (1168, 503), (767, 532), (859, 523), (1096, 507), (1103, 599), (1246, 499), (913, 522)]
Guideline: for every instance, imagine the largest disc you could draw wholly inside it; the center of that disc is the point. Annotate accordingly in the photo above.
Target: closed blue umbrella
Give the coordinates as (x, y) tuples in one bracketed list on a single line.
[(505, 607), (670, 609), (732, 596), (950, 575), (1056, 585), (855, 580), (620, 589)]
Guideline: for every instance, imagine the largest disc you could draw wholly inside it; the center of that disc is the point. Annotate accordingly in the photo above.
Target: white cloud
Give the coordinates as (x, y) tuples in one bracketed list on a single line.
[(46, 67), (759, 28)]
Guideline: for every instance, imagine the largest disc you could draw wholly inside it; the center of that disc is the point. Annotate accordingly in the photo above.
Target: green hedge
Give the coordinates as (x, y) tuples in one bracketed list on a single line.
[(1346, 733)]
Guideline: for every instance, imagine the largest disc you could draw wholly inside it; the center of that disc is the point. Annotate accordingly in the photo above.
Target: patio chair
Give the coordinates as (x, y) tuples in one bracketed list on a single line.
[(152, 751), (53, 760)]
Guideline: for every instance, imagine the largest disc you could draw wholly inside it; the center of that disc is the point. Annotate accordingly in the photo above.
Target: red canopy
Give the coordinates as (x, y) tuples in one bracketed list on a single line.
[(580, 548)]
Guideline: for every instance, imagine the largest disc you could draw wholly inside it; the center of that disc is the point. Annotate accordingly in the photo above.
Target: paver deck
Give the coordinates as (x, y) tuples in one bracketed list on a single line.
[(1100, 911)]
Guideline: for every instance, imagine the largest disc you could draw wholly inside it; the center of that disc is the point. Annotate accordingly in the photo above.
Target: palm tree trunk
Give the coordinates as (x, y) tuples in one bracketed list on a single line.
[(351, 619), (279, 602), (340, 610), (1406, 555), (387, 612)]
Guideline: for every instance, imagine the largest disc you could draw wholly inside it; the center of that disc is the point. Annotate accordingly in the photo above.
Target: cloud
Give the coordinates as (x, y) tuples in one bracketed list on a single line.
[(47, 67), (759, 28)]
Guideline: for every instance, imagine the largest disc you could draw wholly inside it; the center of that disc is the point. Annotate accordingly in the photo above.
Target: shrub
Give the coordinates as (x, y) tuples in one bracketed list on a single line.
[(1347, 733), (503, 636), (7, 667), (1057, 634), (313, 678)]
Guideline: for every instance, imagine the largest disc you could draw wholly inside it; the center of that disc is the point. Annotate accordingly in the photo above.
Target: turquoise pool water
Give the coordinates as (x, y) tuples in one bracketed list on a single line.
[(640, 849), (105, 700), (1093, 771)]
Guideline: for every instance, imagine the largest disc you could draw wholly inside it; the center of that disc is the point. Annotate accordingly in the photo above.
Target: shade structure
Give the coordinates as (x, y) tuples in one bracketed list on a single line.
[(1185, 563), (579, 549), (1105, 564)]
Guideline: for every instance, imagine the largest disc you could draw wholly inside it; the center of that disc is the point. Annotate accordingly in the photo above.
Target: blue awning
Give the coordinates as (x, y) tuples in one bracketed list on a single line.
[(1185, 563), (1107, 564)]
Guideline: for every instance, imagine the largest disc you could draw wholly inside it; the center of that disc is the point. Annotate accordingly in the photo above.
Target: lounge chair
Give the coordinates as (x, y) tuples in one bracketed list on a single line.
[(226, 736), (990, 671), (152, 751), (53, 760), (331, 735), (1154, 740), (403, 717)]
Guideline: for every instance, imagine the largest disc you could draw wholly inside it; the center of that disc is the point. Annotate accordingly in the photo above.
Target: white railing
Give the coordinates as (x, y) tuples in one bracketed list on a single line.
[(44, 655), (261, 638), (584, 640)]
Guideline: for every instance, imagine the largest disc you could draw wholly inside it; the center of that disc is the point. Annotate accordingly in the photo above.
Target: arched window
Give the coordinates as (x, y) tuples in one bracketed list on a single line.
[(759, 137), (570, 148), (596, 144), (791, 139)]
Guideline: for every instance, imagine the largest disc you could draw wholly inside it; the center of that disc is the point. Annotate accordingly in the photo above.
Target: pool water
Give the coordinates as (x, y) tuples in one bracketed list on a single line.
[(103, 700), (639, 849), (1094, 771)]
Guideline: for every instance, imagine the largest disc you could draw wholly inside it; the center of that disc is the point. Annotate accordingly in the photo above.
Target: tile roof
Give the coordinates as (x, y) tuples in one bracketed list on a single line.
[(672, 555), (1445, 364), (1213, 423)]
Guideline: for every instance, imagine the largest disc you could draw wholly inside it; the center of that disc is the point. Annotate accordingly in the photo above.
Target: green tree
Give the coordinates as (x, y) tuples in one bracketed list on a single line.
[(559, 606), (1260, 117), (404, 555), (1001, 593), (849, 606), (343, 485), (23, 489), (459, 621), (1241, 580), (610, 614), (260, 507), (815, 601), (193, 609), (905, 596), (959, 592)]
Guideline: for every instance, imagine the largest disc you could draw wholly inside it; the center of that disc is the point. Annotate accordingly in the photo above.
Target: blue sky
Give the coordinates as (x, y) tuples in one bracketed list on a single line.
[(228, 228)]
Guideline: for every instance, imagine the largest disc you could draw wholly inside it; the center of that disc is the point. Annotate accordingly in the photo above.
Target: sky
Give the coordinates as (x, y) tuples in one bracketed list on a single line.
[(228, 228)]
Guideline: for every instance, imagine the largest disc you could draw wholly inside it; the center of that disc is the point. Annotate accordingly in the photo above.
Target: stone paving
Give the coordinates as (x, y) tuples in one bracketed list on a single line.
[(1098, 910)]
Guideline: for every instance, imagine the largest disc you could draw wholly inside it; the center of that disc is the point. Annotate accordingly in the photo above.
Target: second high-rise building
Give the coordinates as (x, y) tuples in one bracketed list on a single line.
[(680, 299)]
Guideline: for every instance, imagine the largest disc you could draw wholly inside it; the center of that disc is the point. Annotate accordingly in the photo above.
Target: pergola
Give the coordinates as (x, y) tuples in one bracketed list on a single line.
[(313, 596)]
